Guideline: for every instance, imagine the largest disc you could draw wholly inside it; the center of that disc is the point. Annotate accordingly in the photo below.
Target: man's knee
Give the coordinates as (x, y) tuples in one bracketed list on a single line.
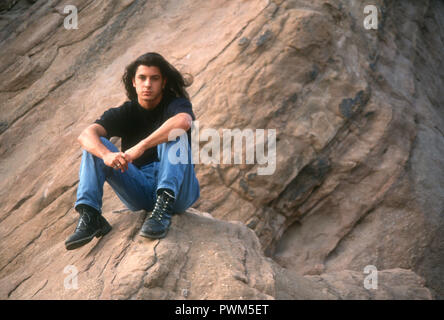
[(176, 151)]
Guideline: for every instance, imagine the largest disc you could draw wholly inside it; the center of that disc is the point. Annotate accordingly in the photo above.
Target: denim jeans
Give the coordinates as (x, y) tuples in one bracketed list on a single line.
[(137, 187)]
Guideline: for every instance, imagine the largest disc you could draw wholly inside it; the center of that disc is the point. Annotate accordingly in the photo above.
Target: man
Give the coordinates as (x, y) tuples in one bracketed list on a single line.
[(142, 175)]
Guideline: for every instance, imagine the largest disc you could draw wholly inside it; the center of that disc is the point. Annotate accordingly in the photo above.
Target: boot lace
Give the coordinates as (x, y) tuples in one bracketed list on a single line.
[(162, 208), (84, 220)]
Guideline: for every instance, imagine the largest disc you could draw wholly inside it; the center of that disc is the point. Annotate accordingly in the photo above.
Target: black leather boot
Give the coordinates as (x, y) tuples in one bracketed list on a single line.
[(158, 221), (91, 224)]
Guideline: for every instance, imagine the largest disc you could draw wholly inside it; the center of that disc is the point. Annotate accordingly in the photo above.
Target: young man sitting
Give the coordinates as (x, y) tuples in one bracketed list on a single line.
[(142, 175)]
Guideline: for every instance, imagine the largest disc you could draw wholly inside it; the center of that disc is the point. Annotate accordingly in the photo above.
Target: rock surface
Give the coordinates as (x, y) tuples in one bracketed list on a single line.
[(202, 258), (360, 142)]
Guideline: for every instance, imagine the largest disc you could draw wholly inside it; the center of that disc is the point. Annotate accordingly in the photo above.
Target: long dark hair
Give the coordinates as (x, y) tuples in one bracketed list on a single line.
[(175, 85)]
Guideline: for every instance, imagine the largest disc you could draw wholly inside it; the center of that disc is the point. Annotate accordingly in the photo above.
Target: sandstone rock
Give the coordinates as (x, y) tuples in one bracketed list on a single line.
[(399, 284), (202, 258), (359, 172)]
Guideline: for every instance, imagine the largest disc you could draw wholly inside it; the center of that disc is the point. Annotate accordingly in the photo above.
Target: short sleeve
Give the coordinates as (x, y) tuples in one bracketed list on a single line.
[(113, 120), (180, 105)]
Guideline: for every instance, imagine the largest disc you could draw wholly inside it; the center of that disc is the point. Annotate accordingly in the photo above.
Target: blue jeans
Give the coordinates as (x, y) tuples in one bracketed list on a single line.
[(137, 187)]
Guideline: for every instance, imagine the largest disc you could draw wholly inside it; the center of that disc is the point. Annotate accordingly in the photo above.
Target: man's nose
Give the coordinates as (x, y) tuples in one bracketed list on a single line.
[(147, 83)]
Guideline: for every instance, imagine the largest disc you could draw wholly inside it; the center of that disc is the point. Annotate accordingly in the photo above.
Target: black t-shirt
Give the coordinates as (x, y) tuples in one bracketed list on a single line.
[(133, 123)]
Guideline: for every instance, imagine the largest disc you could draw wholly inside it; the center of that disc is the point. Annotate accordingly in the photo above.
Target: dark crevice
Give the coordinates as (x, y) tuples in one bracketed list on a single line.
[(142, 281), (16, 206), (18, 285)]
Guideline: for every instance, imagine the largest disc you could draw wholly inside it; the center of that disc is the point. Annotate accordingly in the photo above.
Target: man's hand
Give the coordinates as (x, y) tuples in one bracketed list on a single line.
[(116, 160), (133, 153)]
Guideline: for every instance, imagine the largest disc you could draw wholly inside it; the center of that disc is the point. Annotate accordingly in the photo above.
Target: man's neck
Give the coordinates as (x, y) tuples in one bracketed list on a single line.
[(150, 104)]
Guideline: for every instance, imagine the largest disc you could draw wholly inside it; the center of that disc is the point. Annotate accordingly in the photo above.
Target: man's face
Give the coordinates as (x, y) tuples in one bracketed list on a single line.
[(148, 82)]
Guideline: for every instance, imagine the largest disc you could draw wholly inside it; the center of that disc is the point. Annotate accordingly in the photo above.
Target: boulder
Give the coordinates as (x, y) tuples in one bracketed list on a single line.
[(201, 258)]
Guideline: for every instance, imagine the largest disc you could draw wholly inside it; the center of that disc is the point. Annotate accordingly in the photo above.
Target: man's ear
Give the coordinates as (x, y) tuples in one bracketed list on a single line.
[(134, 82), (164, 83)]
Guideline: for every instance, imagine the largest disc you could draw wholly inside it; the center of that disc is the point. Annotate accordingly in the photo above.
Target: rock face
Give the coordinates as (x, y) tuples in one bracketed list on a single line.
[(359, 168)]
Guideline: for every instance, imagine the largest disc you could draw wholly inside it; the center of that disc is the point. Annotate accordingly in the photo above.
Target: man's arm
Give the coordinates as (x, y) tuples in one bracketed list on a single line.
[(181, 121), (89, 139)]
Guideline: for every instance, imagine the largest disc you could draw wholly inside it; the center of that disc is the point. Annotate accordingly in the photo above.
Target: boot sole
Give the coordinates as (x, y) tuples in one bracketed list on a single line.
[(151, 236), (81, 242)]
